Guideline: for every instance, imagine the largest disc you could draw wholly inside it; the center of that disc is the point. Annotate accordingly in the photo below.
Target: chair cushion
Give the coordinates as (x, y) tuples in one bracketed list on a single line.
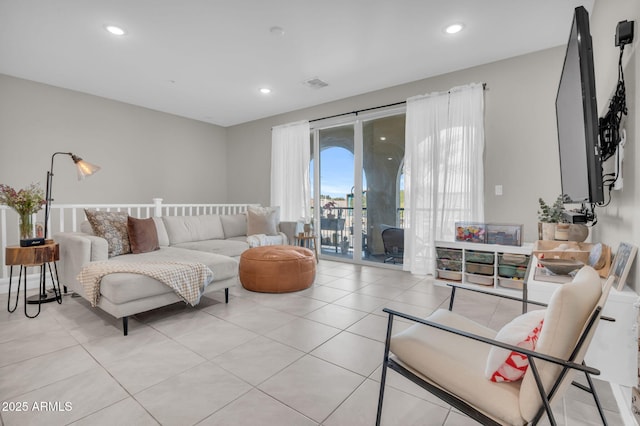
[(457, 364), (565, 318), (504, 365)]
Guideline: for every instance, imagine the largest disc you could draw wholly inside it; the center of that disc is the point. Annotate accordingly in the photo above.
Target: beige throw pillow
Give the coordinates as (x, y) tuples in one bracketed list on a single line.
[(263, 220)]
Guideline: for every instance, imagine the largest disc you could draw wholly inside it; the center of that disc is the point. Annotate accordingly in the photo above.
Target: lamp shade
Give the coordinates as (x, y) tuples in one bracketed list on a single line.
[(84, 168)]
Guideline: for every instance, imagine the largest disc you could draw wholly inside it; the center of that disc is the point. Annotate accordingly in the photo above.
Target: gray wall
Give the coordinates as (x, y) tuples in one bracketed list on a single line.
[(619, 222), (521, 142), (146, 154), (143, 153)]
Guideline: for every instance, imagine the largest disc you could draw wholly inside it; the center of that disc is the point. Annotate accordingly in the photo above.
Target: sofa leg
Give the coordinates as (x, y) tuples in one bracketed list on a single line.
[(226, 295), (125, 325)]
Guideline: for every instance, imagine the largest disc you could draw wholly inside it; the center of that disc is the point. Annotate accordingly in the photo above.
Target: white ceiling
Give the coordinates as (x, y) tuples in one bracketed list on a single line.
[(207, 59)]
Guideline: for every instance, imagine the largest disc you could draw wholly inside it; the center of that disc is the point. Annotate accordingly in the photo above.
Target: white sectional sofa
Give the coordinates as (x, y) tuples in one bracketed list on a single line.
[(214, 240)]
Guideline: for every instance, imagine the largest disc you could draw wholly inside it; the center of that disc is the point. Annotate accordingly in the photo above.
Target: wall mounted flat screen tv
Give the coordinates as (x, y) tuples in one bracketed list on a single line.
[(576, 113)]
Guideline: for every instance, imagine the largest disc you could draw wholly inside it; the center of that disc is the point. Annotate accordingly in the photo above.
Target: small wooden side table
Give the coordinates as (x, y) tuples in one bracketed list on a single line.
[(308, 241), (42, 256)]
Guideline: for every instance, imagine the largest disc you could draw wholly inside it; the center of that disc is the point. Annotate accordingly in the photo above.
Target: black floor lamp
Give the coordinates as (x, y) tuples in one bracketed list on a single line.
[(84, 169)]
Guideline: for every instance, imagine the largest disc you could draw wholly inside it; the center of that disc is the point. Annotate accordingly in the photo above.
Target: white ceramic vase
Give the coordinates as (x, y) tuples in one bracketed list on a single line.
[(547, 231)]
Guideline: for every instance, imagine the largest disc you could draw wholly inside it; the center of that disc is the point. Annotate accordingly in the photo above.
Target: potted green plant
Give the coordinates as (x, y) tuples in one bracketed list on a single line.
[(548, 218)]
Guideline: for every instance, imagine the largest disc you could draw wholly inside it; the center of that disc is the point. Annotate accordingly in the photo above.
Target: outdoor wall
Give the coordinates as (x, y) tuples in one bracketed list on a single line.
[(618, 222), (143, 153), (521, 142)]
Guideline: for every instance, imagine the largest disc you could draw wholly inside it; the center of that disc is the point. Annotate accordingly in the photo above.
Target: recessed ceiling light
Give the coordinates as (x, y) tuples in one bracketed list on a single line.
[(389, 158), (383, 138), (115, 30), (265, 90), (454, 28)]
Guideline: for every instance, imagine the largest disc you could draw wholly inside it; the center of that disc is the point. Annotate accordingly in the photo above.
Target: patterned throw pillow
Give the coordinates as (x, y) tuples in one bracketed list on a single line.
[(112, 226), (508, 366)]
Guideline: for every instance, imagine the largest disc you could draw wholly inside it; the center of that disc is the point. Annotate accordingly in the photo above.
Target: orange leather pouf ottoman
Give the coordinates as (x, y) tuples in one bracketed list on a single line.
[(277, 269)]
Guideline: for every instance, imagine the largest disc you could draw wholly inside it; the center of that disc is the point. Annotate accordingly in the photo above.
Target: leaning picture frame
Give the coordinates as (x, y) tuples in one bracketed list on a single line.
[(622, 264)]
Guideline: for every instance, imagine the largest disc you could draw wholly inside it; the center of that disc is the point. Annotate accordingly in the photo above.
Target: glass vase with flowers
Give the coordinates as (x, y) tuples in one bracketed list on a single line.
[(25, 202)]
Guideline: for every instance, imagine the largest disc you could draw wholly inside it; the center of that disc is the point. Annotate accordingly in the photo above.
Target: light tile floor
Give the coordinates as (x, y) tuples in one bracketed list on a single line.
[(306, 358)]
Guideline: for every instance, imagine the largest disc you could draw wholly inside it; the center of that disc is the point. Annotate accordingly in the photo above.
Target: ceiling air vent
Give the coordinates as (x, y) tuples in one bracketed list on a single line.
[(315, 83)]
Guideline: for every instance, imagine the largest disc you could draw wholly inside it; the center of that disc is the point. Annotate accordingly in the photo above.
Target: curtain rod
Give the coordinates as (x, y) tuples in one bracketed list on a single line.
[(356, 112)]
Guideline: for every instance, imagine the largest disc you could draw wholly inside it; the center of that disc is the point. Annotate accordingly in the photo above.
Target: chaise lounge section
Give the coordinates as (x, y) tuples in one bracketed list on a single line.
[(216, 241)]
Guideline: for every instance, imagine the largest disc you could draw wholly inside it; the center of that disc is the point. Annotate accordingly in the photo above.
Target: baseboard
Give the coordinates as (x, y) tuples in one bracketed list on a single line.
[(622, 395)]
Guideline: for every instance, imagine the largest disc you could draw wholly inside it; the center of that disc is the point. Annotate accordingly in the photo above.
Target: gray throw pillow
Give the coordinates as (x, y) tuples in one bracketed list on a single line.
[(234, 225), (263, 220)]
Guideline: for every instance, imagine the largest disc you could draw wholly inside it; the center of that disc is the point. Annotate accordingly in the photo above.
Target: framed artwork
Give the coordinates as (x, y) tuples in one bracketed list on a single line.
[(39, 230), (622, 264)]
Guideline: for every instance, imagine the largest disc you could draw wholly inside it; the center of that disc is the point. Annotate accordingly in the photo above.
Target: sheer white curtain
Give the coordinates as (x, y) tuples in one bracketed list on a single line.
[(444, 174), (290, 156)]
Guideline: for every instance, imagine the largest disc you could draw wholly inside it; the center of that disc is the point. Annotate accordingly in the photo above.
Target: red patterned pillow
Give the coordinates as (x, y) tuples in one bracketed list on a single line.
[(508, 366)]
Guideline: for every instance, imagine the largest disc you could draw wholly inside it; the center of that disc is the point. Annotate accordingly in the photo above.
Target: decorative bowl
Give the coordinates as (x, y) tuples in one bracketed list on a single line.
[(561, 266)]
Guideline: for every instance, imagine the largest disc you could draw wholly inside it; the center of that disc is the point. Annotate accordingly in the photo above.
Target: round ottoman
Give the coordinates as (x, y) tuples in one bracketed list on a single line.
[(277, 269)]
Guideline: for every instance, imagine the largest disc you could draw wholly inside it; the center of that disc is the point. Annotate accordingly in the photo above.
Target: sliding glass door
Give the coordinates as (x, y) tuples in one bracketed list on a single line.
[(336, 180), (383, 157), (358, 187)]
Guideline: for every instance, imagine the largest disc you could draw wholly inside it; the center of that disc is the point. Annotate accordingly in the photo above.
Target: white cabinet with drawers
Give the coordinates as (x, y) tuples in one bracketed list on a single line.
[(486, 266)]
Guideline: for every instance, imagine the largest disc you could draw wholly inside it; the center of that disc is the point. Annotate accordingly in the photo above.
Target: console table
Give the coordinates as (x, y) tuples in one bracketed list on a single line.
[(43, 256)]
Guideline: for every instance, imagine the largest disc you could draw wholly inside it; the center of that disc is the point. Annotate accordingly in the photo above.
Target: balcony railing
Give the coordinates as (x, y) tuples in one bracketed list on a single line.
[(68, 217), (336, 229)]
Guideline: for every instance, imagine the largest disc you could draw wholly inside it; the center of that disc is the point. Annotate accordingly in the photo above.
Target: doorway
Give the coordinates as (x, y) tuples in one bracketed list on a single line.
[(358, 186)]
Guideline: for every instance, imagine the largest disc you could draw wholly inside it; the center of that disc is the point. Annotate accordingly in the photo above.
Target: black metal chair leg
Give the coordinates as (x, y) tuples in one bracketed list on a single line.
[(543, 396), (226, 295), (593, 392), (453, 295), (125, 325), (383, 377)]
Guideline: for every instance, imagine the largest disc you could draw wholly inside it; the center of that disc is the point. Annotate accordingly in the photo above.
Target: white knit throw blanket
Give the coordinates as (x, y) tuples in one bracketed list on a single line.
[(187, 279)]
